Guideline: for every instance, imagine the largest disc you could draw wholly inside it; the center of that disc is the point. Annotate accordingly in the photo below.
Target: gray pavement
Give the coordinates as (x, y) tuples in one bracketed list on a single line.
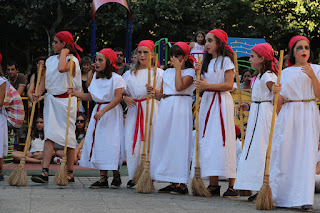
[(79, 198)]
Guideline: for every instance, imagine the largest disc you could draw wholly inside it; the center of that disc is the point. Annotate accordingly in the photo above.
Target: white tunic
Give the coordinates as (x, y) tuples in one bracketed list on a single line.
[(109, 137), (3, 124), (197, 51), (295, 141), (55, 112), (252, 161), (136, 88), (214, 158), (173, 142)]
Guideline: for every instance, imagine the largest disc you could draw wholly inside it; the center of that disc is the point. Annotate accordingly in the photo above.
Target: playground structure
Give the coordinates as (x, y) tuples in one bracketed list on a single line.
[(96, 4)]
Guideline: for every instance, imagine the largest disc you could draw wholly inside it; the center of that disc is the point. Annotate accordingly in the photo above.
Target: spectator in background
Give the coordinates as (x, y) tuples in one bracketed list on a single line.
[(134, 55), (85, 66), (17, 80), (197, 45), (120, 59)]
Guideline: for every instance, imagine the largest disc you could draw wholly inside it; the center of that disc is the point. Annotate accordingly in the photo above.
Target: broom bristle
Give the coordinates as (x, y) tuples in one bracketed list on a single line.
[(139, 169), (264, 199), (61, 177), (19, 176), (145, 183), (197, 185)]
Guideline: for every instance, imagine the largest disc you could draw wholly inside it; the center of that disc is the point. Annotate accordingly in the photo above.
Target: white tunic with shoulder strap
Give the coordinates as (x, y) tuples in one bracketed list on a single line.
[(3, 124)]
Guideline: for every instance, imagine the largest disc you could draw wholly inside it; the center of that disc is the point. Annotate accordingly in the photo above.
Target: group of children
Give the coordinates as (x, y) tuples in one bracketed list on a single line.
[(108, 139)]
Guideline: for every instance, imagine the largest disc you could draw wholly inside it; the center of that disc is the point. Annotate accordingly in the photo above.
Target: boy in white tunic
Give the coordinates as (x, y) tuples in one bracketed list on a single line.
[(104, 137), (250, 171), (55, 114), (296, 133), (217, 148), (135, 97), (174, 123)]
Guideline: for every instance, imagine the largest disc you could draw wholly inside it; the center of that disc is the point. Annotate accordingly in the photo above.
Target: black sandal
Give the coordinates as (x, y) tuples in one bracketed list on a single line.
[(214, 190), (70, 178), (41, 178)]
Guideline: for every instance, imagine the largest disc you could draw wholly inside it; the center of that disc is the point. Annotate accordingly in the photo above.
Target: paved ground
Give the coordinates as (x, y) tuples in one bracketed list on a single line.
[(79, 198)]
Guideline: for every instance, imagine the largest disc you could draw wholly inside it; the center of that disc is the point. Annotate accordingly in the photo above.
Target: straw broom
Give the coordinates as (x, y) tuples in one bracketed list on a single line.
[(264, 199), (61, 177), (19, 176), (197, 185), (140, 167), (235, 61), (145, 184)]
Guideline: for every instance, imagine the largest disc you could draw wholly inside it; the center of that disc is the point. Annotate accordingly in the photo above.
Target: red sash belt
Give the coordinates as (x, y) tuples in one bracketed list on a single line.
[(139, 122), (64, 95), (95, 125), (221, 117)]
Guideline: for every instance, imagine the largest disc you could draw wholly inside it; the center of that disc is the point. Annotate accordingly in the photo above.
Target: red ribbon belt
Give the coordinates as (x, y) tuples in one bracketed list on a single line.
[(139, 121), (221, 117), (64, 95), (95, 125)]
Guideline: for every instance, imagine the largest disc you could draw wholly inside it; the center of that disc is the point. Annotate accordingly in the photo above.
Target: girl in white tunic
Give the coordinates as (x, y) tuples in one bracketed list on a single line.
[(174, 123), (250, 171), (4, 86), (135, 97), (104, 137), (197, 45), (217, 148), (55, 114), (296, 132)]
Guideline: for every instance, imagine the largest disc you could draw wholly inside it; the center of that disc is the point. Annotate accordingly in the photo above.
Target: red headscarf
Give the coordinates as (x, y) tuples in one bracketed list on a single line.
[(223, 36), (111, 55), (147, 43), (293, 41), (265, 50), (0, 58), (67, 37), (186, 49)]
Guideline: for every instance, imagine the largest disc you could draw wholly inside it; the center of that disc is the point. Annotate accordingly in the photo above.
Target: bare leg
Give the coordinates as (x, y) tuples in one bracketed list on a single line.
[(47, 154), (70, 160), (1, 165), (214, 180), (231, 182)]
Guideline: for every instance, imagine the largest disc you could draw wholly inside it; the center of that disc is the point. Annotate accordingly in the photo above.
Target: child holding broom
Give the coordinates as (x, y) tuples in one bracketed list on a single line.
[(135, 98), (104, 137), (295, 141), (4, 86), (56, 82), (252, 161), (217, 148), (173, 138)]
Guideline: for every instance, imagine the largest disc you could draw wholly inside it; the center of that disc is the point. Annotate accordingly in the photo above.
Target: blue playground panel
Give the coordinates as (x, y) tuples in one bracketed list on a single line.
[(243, 45)]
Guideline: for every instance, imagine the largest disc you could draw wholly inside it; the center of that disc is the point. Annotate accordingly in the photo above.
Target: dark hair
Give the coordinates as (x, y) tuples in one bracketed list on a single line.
[(44, 58), (221, 51), (81, 131), (176, 50), (119, 49), (11, 63), (204, 36), (85, 60), (292, 59), (265, 66), (247, 70), (35, 133), (107, 72)]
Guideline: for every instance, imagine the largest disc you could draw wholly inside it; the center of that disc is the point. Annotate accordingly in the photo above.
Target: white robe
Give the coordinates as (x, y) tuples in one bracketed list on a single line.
[(214, 158), (136, 88), (173, 142), (295, 141), (250, 170), (3, 124), (109, 137), (55, 112)]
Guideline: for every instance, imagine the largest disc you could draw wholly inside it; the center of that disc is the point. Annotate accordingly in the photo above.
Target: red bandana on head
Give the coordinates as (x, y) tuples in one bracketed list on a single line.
[(111, 55), (293, 41), (265, 50), (223, 36), (67, 37), (186, 49), (147, 43)]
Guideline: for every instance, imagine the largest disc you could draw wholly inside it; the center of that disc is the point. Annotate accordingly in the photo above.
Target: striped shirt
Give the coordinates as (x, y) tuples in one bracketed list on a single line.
[(14, 107)]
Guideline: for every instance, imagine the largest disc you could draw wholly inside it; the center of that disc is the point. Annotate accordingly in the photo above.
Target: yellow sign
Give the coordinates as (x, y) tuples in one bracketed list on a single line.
[(245, 98)]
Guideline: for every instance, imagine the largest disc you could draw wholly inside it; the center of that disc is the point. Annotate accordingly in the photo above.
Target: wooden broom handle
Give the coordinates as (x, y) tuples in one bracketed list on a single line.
[(275, 103), (152, 105), (235, 61), (26, 147), (69, 106), (197, 117), (147, 109)]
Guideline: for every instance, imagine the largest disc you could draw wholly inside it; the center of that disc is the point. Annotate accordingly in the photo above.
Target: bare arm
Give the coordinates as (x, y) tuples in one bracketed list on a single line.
[(202, 84), (2, 93), (21, 89), (314, 80), (81, 95), (182, 83), (117, 99), (90, 76), (31, 87), (64, 66), (191, 45)]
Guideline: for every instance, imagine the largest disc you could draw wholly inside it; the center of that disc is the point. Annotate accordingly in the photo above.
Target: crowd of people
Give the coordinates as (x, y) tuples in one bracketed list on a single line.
[(108, 87)]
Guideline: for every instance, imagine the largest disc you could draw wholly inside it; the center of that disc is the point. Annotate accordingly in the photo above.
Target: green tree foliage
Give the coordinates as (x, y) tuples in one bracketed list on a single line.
[(27, 26)]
